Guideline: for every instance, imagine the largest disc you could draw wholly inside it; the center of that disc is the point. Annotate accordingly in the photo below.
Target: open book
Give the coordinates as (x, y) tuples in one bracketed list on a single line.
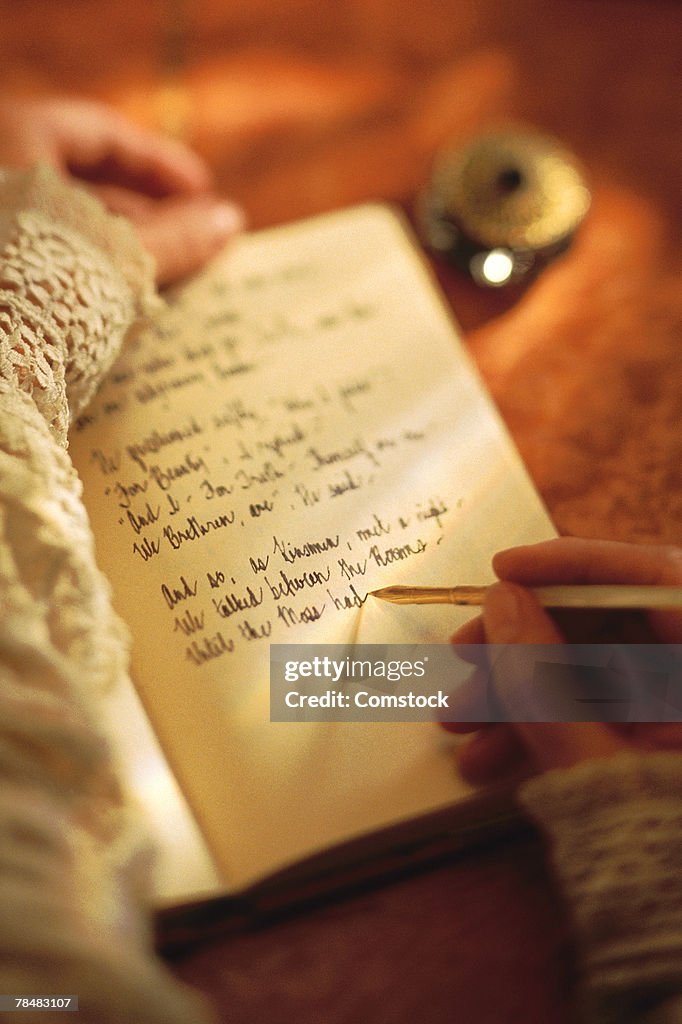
[(299, 426)]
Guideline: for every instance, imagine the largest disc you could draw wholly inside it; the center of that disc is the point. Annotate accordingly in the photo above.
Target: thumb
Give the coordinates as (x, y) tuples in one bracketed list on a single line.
[(512, 616), (181, 233), (184, 234)]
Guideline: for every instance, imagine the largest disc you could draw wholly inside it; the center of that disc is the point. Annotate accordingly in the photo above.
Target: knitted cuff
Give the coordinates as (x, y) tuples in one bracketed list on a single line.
[(615, 826)]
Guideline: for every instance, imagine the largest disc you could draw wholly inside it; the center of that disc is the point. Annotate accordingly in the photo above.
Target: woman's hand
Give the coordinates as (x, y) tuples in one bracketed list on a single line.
[(159, 184), (511, 615)]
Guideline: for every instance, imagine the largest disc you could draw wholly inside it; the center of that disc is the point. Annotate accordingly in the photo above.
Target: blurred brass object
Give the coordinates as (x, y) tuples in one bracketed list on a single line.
[(504, 205)]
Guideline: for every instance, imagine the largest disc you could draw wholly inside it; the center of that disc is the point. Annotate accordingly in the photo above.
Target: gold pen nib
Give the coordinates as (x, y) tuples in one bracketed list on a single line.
[(430, 595), (392, 594)]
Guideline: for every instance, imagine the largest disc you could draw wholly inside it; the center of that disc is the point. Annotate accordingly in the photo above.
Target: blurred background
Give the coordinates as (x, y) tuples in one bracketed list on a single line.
[(305, 105), (361, 92)]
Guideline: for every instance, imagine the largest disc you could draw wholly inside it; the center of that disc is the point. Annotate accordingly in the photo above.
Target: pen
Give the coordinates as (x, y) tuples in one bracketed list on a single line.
[(603, 595)]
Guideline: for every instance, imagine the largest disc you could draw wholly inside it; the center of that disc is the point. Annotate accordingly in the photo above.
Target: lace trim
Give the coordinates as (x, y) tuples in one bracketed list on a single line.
[(74, 855), (72, 280)]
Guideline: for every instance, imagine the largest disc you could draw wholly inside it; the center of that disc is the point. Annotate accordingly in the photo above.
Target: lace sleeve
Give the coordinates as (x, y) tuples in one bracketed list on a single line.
[(73, 856), (72, 280), (615, 827)]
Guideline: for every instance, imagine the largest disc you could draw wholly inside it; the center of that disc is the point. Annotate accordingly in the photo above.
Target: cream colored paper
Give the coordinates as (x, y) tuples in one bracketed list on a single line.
[(301, 426)]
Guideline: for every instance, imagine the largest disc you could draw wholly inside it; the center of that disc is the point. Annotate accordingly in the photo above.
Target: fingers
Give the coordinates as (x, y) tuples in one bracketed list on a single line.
[(574, 560), (95, 143), (492, 753), (158, 183), (511, 615), (471, 632), (471, 704), (159, 165), (99, 144), (181, 234), (499, 751)]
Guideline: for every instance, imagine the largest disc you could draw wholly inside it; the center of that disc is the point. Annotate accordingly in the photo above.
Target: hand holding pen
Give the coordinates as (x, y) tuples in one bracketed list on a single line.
[(511, 614)]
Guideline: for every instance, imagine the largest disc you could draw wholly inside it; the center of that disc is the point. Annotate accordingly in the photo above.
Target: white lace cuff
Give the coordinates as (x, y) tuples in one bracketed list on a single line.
[(72, 280)]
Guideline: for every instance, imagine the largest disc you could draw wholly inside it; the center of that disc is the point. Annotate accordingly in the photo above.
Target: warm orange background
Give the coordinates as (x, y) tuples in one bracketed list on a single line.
[(302, 106)]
